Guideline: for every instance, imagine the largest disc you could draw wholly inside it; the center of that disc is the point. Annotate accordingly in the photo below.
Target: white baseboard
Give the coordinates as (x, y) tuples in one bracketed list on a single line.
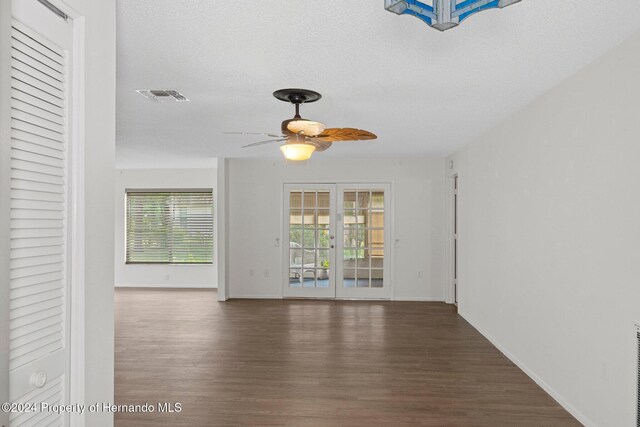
[(419, 299), (164, 285), (546, 387), (254, 297)]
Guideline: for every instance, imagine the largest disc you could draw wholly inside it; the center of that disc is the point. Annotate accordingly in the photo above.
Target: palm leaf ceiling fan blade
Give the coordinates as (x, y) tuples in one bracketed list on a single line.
[(268, 141), (345, 134)]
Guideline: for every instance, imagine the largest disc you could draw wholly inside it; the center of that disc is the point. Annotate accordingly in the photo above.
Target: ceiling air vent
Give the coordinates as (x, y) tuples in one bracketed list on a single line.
[(162, 95)]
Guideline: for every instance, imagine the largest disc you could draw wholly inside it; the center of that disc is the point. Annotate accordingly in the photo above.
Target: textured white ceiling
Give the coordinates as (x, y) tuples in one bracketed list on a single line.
[(424, 93)]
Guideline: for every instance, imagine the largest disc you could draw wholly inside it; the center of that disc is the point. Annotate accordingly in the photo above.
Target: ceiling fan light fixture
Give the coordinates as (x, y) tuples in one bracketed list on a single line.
[(306, 127), (297, 151)]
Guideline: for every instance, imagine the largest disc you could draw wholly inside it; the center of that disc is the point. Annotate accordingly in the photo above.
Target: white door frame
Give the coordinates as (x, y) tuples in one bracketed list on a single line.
[(450, 288)]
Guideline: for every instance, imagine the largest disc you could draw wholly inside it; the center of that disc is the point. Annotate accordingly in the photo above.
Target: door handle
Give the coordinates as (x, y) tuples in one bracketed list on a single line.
[(38, 379)]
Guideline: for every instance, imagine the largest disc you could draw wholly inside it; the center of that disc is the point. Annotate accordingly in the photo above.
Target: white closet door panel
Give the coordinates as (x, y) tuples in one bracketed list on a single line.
[(35, 92), (35, 289), (34, 252), (36, 242), (28, 233), (35, 142), (49, 419), (37, 111), (36, 336), (35, 353), (54, 183), (36, 130), (28, 154), (36, 42), (32, 70), (35, 330), (39, 338), (21, 354), (34, 274), (34, 308), (36, 186), (34, 318), (52, 392), (40, 208), (51, 272), (36, 223), (37, 195), (48, 65), (37, 204), (41, 86), (27, 166), (36, 214), (38, 103), (20, 302), (36, 37), (35, 262), (33, 118)]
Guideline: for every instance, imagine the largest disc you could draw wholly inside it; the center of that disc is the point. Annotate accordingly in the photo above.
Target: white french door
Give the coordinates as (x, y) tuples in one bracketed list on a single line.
[(338, 241), (310, 235), (363, 249), (41, 45)]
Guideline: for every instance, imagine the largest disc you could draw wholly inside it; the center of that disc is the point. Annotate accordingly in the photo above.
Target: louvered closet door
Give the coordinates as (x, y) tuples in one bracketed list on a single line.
[(39, 255)]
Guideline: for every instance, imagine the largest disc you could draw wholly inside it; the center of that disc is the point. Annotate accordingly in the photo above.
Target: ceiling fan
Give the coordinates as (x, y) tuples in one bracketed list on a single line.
[(303, 137)]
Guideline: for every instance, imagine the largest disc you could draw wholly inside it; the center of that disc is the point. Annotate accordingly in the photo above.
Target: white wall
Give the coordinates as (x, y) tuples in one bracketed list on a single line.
[(99, 127), (161, 275), (550, 242), (222, 210), (255, 212)]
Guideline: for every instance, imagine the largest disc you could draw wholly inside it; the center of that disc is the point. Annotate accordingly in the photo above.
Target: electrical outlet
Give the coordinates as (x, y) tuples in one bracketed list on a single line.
[(250, 273)]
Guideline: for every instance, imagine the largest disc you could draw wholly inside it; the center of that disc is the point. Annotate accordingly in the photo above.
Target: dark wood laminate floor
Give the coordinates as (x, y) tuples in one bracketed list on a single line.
[(314, 363)]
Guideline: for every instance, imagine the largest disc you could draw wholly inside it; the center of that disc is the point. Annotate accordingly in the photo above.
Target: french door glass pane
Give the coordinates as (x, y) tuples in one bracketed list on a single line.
[(295, 200), (310, 200), (323, 200), (323, 218), (363, 252), (295, 218), (295, 236), (324, 240), (309, 238)]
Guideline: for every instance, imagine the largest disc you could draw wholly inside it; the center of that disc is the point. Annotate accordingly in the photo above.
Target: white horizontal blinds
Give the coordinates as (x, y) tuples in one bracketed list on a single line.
[(169, 227), (38, 194)]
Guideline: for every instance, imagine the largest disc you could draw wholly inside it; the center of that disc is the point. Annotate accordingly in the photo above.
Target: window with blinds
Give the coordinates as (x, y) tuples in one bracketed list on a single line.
[(169, 227)]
